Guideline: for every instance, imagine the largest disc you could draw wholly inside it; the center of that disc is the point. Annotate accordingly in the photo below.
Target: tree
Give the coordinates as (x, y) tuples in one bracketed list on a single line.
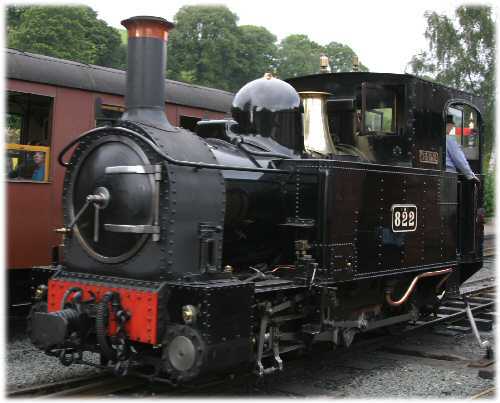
[(207, 47), (67, 32), (341, 57), (489, 194), (256, 54), (461, 54), (298, 55), (14, 16), (203, 47)]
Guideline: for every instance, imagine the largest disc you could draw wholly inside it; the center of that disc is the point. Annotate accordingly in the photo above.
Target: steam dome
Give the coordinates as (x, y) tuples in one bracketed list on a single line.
[(270, 107)]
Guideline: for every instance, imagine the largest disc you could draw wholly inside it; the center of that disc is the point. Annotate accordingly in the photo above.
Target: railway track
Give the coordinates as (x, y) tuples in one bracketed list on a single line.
[(450, 317), (485, 393), (489, 245), (102, 384), (452, 312)]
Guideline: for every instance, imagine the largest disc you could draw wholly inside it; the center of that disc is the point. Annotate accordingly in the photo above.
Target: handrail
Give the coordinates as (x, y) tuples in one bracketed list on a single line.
[(173, 161)]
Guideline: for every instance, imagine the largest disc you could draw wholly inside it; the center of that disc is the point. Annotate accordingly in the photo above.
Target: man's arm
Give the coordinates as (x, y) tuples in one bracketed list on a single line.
[(458, 158)]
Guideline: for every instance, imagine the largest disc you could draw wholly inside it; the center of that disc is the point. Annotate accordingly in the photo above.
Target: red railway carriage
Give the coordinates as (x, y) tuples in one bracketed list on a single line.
[(49, 102)]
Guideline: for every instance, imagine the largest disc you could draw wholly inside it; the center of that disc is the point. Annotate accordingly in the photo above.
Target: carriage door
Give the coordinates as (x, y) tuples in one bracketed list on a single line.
[(466, 132)]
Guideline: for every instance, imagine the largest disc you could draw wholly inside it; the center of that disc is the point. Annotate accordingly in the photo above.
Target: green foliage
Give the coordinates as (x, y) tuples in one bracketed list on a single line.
[(256, 54), (67, 32), (123, 36), (489, 194), (204, 46), (14, 16), (461, 54), (298, 55), (207, 47), (341, 57)]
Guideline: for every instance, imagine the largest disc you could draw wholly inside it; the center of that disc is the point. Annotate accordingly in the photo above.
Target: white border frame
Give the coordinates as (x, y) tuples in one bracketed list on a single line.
[(406, 206)]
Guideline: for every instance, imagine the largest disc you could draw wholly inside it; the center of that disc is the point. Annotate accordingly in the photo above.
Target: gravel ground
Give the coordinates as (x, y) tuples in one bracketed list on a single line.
[(29, 366), (379, 374)]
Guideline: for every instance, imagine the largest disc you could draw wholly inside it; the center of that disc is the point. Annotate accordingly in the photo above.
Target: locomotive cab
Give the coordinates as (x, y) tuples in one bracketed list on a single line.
[(399, 120)]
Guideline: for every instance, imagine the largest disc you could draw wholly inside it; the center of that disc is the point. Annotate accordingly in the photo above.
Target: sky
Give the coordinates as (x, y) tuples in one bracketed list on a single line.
[(384, 33)]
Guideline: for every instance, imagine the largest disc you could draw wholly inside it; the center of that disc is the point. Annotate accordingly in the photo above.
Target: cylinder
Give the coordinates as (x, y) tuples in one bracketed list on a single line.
[(146, 65)]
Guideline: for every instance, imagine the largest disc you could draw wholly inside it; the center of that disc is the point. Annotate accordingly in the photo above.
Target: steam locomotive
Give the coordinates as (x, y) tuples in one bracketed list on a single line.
[(320, 211)]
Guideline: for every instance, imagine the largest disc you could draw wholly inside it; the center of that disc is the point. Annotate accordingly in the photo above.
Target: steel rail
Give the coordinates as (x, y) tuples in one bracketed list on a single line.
[(101, 387), (459, 314), (45, 388), (486, 392), (93, 385)]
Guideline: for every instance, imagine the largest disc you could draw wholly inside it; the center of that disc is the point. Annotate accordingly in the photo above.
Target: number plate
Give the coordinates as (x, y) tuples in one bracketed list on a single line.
[(404, 217)]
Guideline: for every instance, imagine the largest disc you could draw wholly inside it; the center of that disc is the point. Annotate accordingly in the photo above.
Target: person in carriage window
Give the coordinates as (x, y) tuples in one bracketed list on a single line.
[(39, 172), (455, 157)]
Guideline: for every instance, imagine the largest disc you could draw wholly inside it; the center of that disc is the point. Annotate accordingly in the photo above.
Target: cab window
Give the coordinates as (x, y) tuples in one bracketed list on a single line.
[(465, 129), (370, 124), (28, 137), (379, 109)]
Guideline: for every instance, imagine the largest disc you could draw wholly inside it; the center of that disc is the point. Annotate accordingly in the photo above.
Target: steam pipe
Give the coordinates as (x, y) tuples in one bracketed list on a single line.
[(412, 286), (442, 281), (241, 144)]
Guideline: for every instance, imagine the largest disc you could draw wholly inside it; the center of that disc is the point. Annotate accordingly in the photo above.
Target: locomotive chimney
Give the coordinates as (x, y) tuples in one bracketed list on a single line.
[(146, 65)]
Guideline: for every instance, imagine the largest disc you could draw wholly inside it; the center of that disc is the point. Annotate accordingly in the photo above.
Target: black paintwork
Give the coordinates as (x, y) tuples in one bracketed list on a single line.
[(212, 217), (354, 239), (181, 208), (349, 201), (145, 96)]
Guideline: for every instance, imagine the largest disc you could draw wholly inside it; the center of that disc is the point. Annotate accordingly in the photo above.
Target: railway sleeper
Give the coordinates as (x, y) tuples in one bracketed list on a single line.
[(449, 310), (484, 325), (487, 315), (480, 300)]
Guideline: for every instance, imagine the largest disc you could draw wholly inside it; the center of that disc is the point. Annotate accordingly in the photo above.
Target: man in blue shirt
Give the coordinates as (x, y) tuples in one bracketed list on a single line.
[(455, 157), (39, 172)]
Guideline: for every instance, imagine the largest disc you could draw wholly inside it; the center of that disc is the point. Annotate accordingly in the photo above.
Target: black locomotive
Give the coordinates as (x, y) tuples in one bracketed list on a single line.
[(321, 211)]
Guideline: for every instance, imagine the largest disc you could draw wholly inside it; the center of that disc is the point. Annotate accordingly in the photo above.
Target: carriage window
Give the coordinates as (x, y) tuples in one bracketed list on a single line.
[(14, 127), (29, 163), (107, 115), (188, 122), (28, 136)]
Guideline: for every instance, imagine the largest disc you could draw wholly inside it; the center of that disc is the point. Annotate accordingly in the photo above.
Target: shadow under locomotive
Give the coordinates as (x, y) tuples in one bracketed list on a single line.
[(312, 216)]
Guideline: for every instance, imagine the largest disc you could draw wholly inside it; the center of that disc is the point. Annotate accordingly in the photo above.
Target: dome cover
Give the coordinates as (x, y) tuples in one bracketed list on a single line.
[(270, 107)]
